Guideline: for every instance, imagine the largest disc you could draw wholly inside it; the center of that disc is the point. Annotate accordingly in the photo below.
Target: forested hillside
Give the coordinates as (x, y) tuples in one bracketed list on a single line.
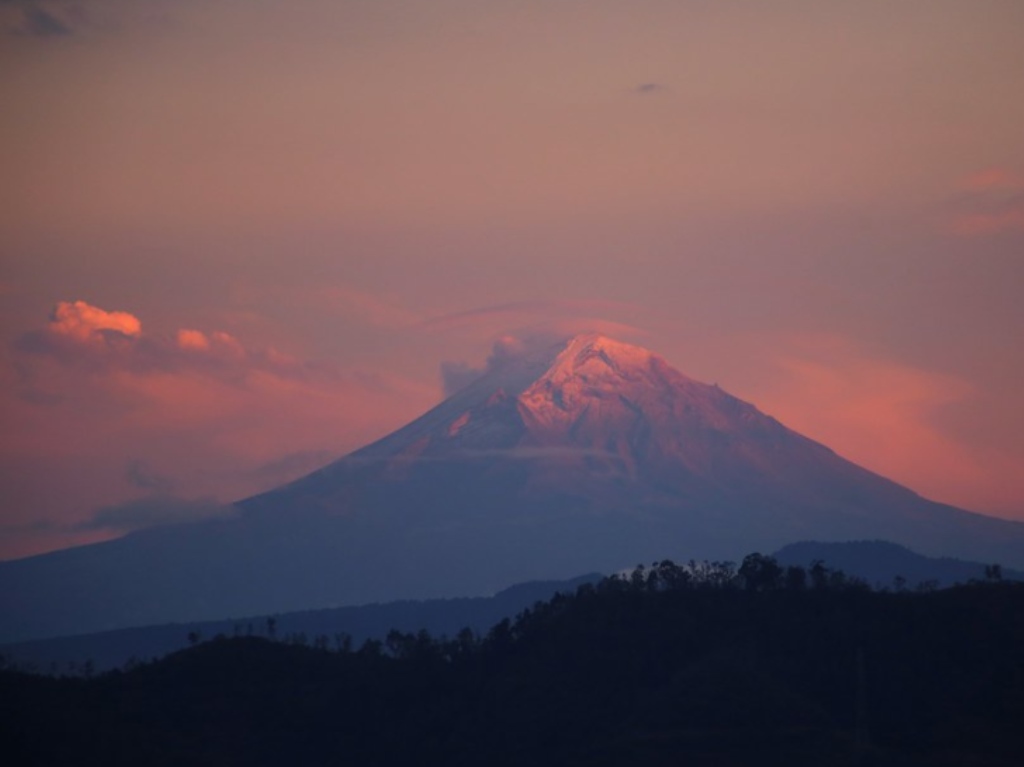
[(697, 664)]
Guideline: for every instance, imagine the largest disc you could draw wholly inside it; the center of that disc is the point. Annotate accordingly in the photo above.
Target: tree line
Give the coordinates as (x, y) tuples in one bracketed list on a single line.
[(702, 663)]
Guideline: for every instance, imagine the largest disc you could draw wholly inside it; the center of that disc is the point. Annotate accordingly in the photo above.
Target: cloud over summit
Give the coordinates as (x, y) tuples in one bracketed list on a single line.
[(505, 350)]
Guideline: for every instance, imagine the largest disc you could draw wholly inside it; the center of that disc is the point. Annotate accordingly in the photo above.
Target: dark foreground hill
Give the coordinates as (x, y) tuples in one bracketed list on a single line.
[(779, 667)]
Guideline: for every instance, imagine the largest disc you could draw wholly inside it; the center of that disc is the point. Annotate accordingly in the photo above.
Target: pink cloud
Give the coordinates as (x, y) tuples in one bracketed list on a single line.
[(227, 345), (193, 340), (92, 338), (992, 202), (337, 299), (972, 224), (84, 322), (993, 178), (367, 307)]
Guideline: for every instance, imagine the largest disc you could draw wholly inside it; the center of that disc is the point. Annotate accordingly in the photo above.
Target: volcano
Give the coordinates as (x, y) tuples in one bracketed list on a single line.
[(581, 455)]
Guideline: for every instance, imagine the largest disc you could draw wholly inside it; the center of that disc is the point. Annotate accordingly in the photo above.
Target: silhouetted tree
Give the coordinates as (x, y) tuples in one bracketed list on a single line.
[(671, 576), (819, 574), (796, 578), (760, 572), (343, 642)]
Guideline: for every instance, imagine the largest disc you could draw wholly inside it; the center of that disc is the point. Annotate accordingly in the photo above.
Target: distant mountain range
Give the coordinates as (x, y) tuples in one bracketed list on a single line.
[(577, 456), (880, 564), (441, 617), (887, 565)]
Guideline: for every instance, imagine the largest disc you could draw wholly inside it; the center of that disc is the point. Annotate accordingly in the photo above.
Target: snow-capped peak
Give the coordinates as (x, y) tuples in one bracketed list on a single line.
[(590, 368), (590, 354)]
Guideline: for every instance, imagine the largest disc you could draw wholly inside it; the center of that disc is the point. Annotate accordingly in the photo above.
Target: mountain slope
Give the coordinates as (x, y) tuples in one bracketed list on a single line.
[(577, 456)]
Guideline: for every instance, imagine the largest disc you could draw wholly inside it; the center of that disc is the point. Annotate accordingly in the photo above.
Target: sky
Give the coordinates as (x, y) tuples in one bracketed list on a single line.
[(240, 238)]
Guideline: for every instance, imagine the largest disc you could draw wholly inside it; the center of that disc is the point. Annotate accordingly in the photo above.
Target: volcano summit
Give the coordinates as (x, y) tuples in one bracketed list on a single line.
[(571, 457)]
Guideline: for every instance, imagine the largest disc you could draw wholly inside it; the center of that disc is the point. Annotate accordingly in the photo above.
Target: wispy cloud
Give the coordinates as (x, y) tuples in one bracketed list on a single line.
[(570, 315), (49, 21), (453, 319), (990, 201), (506, 348), (34, 18), (334, 299), (1009, 218), (154, 511), (540, 323), (646, 89), (993, 178), (142, 476), (370, 308), (291, 466), (41, 23)]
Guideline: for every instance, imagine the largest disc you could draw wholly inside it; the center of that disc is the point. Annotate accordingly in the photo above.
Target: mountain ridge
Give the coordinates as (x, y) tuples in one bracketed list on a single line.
[(562, 457)]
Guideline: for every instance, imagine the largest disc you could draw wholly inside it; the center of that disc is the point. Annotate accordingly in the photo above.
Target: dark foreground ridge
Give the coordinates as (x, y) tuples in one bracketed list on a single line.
[(671, 665)]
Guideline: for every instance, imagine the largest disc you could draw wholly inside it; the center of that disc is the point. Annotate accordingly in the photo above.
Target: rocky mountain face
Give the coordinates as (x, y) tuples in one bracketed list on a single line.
[(576, 456)]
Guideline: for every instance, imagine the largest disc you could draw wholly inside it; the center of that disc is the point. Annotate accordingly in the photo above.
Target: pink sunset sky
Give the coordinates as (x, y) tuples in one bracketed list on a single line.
[(239, 239)]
